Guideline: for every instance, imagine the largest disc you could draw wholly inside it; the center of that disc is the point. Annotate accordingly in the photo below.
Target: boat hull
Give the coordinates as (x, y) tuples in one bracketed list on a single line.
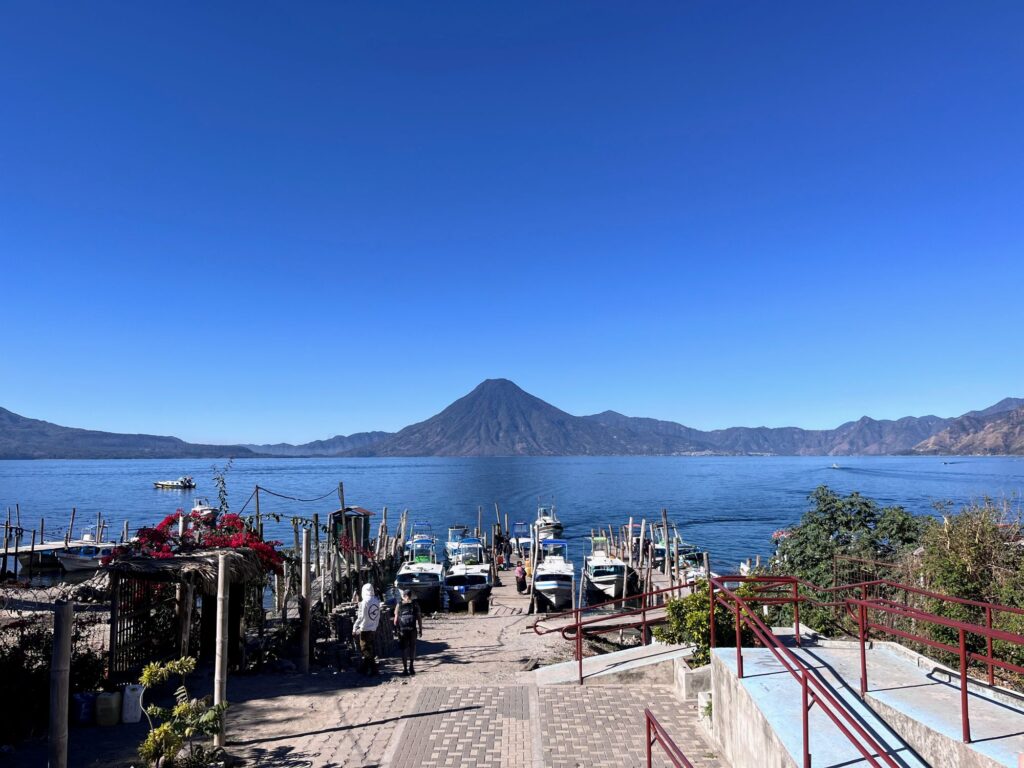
[(461, 597), (600, 590), (553, 597)]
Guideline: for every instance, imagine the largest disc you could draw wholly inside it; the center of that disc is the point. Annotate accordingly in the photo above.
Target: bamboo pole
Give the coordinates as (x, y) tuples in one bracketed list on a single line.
[(60, 673), (220, 674), (664, 528), (629, 543)]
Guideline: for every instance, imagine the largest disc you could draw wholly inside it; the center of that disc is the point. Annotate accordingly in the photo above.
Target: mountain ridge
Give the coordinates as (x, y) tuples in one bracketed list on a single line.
[(498, 418)]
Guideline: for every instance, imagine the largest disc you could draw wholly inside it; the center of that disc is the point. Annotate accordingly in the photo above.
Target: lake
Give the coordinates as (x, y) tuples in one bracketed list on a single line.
[(729, 505)]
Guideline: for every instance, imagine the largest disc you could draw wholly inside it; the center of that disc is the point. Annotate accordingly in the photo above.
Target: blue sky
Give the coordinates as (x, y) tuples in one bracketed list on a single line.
[(277, 222)]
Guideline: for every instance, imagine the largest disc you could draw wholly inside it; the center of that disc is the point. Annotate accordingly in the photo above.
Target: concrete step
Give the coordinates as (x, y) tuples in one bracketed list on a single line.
[(641, 664), (777, 695)]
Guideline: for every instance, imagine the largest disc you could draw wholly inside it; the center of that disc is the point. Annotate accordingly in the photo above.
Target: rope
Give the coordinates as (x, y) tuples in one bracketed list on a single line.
[(246, 503), (331, 492)]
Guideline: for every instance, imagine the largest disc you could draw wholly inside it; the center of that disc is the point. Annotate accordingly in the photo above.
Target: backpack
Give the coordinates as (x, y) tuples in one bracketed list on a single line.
[(407, 617)]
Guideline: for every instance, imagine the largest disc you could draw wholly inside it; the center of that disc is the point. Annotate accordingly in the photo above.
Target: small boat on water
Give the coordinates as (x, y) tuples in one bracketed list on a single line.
[(604, 577), (554, 576), (468, 578), (183, 483), (547, 524), (85, 558), (421, 574)]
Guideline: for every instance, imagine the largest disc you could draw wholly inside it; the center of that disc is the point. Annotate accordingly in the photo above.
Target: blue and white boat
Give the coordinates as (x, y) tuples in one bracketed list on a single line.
[(554, 577)]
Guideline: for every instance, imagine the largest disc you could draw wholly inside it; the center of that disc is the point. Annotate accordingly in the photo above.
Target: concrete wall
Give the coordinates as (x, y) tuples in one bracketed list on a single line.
[(743, 735), (689, 681), (936, 748)]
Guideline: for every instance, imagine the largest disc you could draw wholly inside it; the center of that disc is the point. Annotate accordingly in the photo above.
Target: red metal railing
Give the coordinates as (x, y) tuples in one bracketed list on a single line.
[(581, 626), (962, 628), (812, 689), (657, 734)]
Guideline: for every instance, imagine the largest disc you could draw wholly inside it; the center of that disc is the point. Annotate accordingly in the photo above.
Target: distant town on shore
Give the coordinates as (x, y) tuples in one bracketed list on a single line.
[(498, 418)]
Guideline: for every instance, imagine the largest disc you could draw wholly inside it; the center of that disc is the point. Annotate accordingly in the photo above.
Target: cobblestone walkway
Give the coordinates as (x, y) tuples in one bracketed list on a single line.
[(478, 726), (602, 726), (520, 726)]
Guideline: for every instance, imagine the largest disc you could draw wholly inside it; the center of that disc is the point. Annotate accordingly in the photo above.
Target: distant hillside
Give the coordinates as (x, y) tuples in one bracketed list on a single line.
[(989, 434), (500, 419), (24, 438), (333, 446)]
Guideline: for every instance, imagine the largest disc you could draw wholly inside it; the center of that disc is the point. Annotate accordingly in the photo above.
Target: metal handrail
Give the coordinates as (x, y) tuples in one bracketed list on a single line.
[(963, 628), (675, 754), (579, 624), (813, 689)]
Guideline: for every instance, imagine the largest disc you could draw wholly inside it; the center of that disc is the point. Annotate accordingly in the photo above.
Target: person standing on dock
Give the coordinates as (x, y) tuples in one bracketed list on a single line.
[(365, 628), (520, 578), (408, 619)]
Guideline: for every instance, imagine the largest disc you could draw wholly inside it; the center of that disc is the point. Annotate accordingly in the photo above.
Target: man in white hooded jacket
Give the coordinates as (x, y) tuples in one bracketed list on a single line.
[(365, 629)]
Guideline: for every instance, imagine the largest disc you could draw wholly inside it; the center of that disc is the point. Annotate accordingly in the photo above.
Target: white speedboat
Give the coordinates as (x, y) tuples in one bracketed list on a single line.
[(522, 541), (468, 578), (421, 574), (554, 576), (87, 558), (547, 524), (604, 577), (456, 534), (182, 483)]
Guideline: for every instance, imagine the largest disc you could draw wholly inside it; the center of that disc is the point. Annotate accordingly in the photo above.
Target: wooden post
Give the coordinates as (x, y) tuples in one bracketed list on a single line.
[(643, 550), (306, 605), (42, 530), (71, 527), (99, 528), (7, 536), (220, 670), (479, 520), (124, 533), (316, 541), (629, 541), (185, 600), (32, 553), (707, 566), (497, 515), (259, 517), (341, 496), (60, 673), (664, 528)]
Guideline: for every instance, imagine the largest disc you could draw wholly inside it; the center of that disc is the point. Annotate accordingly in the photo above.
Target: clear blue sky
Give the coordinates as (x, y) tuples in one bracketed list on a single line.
[(270, 221)]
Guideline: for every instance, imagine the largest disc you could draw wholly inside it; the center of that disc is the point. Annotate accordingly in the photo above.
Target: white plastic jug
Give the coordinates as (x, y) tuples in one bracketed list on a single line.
[(131, 704)]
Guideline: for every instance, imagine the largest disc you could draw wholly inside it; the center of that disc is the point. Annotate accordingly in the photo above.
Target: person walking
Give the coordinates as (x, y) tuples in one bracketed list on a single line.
[(365, 629), (520, 578), (408, 619)]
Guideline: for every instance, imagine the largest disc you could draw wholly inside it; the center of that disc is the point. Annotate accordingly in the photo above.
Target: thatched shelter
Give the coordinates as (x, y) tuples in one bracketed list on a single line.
[(154, 602), (198, 569)]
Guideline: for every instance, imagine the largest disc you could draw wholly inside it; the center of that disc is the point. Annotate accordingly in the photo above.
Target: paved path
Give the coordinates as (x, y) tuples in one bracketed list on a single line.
[(523, 726)]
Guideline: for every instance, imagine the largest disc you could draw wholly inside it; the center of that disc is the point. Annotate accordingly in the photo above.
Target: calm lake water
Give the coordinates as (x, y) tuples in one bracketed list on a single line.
[(729, 505)]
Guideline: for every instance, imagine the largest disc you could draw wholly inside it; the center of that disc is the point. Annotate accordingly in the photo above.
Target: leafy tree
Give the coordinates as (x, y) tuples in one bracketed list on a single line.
[(689, 623), (843, 525)]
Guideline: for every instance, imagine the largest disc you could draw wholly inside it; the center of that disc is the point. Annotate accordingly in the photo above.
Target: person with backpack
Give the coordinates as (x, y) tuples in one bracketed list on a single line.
[(365, 629), (408, 619), (520, 578)]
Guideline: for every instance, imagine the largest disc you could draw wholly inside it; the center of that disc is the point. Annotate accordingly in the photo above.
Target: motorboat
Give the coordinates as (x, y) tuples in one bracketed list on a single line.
[(456, 534), (522, 541), (206, 513), (468, 578), (604, 577), (547, 524), (183, 483), (88, 557), (554, 576), (421, 574)]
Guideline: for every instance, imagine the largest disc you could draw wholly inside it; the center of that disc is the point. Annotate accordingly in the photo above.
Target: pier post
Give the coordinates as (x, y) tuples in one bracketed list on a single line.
[(316, 538), (220, 673), (60, 673), (304, 651), (664, 530)]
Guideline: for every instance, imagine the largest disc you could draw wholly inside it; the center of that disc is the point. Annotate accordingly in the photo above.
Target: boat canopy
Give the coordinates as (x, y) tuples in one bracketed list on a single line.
[(422, 550), (554, 547)]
